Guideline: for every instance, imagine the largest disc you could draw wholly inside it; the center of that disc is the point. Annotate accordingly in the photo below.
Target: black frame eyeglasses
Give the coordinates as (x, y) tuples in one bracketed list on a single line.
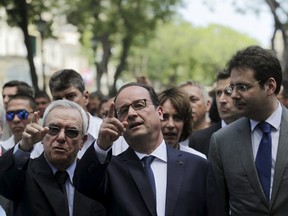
[(69, 132), (122, 111), (240, 88), (21, 114)]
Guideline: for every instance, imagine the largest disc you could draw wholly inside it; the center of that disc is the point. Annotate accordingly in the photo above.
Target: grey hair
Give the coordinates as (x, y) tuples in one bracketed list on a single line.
[(70, 105)]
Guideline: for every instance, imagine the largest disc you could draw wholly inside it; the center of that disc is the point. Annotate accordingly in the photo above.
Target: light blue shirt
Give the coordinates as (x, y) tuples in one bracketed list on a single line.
[(21, 157), (256, 134)]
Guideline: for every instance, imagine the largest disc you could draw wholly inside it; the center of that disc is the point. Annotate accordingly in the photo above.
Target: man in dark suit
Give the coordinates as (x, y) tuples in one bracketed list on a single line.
[(33, 184), (251, 165), (175, 183), (228, 113)]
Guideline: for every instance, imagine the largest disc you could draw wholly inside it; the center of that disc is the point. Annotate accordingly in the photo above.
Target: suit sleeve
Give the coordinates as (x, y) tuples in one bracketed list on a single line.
[(90, 175), (11, 177), (215, 159)]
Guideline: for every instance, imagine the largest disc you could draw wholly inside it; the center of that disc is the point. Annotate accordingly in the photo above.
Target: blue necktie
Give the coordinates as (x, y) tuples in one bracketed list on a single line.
[(147, 162), (264, 158)]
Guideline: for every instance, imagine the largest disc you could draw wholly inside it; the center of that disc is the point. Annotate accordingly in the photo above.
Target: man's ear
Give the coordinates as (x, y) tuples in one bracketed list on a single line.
[(271, 86), (86, 96), (159, 109)]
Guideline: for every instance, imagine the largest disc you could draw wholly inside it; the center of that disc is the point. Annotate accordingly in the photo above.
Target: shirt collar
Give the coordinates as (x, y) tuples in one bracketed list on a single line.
[(70, 170), (160, 152), (274, 119)]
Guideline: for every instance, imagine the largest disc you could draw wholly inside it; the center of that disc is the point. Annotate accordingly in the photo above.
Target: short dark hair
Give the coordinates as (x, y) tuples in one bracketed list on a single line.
[(151, 91), (29, 98), (22, 87), (222, 75), (263, 62), (181, 103), (42, 94), (64, 79)]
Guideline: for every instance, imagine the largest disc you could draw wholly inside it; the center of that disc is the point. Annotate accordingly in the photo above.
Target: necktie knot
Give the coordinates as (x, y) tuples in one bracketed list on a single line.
[(61, 177), (148, 160), (265, 127)]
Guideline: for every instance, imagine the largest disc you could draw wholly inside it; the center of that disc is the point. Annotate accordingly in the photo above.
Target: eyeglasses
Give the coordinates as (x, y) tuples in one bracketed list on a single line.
[(136, 105), (69, 132), (240, 88), (225, 91), (22, 114)]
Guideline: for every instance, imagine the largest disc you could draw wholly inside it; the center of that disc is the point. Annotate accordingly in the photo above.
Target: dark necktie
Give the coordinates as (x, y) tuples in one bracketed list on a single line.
[(147, 162), (264, 158), (61, 178)]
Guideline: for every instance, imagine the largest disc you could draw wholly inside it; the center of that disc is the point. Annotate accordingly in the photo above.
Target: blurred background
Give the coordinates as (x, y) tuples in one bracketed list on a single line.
[(111, 42)]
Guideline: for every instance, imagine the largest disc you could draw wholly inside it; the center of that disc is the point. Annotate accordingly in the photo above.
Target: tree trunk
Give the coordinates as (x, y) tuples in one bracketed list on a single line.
[(102, 66), (126, 43), (23, 24), (274, 5)]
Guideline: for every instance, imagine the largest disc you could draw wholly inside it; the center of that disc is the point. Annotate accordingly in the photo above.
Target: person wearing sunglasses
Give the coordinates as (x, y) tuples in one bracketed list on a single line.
[(44, 186), (227, 111), (19, 113)]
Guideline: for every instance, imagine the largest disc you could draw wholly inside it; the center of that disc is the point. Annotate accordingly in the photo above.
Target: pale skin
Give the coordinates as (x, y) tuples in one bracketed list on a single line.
[(60, 150), (141, 128)]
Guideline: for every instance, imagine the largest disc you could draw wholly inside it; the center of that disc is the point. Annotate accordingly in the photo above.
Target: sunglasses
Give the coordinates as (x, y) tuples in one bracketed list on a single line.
[(22, 115), (69, 132)]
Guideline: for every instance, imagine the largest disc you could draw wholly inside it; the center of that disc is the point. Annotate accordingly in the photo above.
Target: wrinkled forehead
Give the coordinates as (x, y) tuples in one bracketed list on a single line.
[(130, 94), (64, 115)]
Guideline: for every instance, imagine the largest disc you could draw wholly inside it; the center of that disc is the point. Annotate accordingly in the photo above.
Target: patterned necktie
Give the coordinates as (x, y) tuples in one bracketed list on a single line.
[(61, 178), (264, 158), (147, 162)]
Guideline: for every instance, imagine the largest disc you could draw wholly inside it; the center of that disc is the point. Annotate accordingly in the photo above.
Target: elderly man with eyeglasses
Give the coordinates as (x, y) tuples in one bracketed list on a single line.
[(44, 186)]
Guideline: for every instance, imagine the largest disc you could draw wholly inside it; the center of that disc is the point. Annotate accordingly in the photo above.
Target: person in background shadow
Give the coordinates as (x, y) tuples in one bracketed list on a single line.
[(150, 177), (227, 110), (200, 103), (283, 94), (42, 100), (33, 184)]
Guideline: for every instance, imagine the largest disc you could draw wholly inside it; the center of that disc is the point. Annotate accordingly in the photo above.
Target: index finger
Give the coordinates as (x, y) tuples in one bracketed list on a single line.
[(35, 117), (111, 111)]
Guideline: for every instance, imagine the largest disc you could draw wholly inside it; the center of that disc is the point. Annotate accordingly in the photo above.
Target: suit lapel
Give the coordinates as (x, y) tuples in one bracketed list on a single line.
[(281, 159), (175, 173), (44, 177), (244, 145), (137, 172)]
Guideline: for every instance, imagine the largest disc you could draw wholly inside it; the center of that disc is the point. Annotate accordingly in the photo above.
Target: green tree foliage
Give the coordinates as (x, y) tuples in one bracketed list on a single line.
[(181, 52), (279, 12), (117, 25)]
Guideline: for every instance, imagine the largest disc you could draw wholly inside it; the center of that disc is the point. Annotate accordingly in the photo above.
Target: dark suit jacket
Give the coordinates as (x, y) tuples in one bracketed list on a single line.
[(34, 190), (191, 186), (200, 140), (232, 160)]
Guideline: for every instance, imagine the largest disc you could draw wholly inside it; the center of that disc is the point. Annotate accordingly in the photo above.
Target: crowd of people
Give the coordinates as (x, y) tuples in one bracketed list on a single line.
[(179, 151)]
